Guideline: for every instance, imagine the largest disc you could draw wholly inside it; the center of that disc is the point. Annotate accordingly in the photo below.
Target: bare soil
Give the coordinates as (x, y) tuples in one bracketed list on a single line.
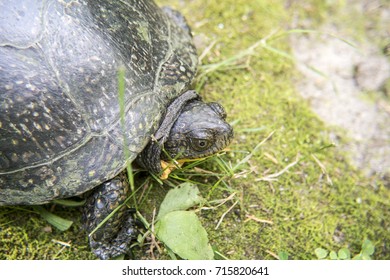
[(344, 80)]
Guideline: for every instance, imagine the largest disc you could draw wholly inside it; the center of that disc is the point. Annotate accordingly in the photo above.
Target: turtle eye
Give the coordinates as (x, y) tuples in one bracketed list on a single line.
[(200, 144)]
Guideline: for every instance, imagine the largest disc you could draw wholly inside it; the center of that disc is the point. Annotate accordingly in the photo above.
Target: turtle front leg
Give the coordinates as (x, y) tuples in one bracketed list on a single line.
[(115, 236)]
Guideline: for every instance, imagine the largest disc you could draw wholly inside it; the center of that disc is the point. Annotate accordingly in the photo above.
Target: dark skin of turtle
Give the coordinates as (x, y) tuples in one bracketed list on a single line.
[(60, 127)]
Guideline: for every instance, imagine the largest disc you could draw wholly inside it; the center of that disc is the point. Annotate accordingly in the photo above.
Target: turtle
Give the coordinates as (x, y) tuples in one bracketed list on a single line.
[(63, 131)]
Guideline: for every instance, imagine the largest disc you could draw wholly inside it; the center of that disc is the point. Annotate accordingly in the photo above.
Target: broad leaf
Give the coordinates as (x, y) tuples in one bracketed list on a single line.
[(180, 198), (333, 255), (321, 253), (183, 233), (368, 248), (344, 254)]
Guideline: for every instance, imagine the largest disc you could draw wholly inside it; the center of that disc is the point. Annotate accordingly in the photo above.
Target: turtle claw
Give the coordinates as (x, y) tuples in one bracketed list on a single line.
[(118, 245)]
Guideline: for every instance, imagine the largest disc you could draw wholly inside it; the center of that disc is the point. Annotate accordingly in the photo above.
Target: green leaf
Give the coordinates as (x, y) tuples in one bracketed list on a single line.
[(368, 248), (344, 254), (321, 253), (183, 233), (283, 255), (56, 221), (333, 255), (182, 197)]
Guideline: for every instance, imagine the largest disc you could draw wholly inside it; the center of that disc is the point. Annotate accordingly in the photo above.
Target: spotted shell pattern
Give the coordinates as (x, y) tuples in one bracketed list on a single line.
[(60, 128)]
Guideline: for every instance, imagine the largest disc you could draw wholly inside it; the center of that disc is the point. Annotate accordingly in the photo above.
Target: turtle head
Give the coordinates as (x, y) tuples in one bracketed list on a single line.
[(190, 129), (200, 130)]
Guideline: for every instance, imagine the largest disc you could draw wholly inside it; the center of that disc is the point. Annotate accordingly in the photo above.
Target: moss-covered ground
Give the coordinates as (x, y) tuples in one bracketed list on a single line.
[(295, 193)]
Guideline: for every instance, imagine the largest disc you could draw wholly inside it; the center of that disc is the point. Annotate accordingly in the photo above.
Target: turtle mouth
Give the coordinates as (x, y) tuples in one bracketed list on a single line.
[(224, 141)]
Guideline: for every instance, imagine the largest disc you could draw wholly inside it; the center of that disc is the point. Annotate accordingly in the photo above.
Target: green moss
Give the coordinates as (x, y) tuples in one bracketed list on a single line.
[(25, 235), (321, 201)]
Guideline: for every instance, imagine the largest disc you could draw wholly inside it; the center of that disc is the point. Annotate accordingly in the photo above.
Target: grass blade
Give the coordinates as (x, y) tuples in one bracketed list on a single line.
[(56, 221)]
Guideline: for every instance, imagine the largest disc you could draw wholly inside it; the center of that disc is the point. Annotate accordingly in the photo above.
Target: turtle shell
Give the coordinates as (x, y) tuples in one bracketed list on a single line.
[(61, 132)]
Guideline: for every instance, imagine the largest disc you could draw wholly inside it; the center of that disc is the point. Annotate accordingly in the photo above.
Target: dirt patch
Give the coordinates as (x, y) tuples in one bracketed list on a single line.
[(344, 80)]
